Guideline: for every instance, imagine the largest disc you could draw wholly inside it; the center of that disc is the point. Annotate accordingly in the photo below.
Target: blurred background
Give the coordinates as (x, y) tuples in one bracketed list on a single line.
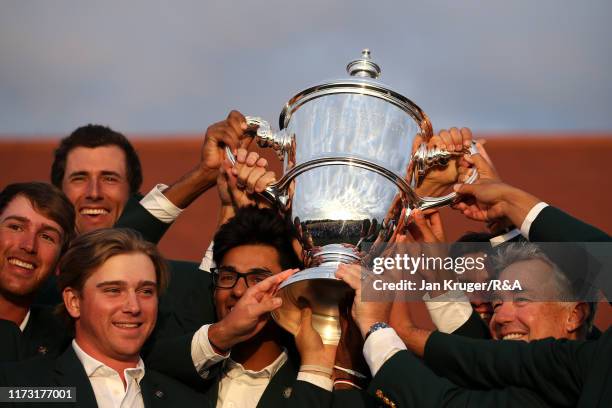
[(534, 78)]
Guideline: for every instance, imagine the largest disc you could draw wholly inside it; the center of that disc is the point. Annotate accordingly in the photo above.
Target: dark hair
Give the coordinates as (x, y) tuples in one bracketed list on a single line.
[(95, 136), (91, 250), (48, 201), (471, 242), (255, 226)]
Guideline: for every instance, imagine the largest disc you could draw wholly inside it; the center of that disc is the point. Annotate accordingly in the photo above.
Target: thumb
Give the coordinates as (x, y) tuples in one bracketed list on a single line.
[(482, 165), (464, 189), (306, 319)]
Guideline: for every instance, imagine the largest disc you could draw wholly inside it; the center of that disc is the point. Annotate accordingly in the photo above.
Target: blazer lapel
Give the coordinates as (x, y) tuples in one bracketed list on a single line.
[(212, 393), (69, 372), (153, 394), (281, 385)]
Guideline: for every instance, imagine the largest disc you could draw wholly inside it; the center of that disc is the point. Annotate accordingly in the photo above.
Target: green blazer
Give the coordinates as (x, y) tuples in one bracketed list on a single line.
[(12, 344), (404, 381), (554, 225), (67, 371), (135, 216), (173, 358), (284, 390), (44, 334), (563, 373)]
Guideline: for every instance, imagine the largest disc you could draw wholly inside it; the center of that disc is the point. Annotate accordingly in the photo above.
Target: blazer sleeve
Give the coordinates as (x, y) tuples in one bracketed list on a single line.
[(554, 225), (554, 368), (136, 217), (474, 328), (172, 357), (353, 398), (404, 381)]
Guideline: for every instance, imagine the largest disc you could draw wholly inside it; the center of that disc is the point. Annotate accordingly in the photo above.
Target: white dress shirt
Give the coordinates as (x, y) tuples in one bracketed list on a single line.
[(107, 384), (207, 262), (381, 346), (159, 206), (239, 387), (530, 218), (25, 321)]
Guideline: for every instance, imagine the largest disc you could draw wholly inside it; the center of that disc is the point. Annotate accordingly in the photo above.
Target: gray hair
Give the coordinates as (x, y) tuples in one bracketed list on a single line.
[(526, 251)]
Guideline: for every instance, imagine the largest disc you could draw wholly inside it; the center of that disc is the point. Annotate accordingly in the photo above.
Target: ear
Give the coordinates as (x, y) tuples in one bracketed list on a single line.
[(72, 301), (578, 315)]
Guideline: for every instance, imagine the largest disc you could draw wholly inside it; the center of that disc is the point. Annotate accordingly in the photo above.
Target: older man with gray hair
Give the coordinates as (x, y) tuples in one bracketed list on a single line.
[(551, 301)]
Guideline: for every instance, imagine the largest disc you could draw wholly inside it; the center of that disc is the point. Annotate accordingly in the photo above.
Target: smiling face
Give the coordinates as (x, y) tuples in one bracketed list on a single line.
[(95, 181), (244, 259), (116, 311), (30, 245), (531, 313)]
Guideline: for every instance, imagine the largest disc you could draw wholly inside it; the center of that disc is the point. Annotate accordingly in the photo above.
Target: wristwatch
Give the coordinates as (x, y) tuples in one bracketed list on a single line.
[(376, 326)]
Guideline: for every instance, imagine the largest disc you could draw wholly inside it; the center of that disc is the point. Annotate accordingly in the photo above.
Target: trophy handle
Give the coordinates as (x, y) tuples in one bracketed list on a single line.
[(265, 137), (431, 202)]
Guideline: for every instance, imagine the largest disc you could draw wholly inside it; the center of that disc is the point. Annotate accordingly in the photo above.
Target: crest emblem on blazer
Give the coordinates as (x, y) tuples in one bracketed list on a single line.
[(287, 392)]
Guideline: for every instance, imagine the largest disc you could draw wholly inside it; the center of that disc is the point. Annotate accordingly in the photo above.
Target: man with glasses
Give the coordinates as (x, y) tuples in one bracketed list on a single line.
[(259, 366)]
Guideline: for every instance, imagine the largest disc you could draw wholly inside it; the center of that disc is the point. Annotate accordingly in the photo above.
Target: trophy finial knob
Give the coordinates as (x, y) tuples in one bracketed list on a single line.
[(364, 67)]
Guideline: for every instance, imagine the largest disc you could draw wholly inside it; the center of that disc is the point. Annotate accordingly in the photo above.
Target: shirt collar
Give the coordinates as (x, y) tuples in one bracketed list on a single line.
[(24, 323), (234, 369), (95, 368)]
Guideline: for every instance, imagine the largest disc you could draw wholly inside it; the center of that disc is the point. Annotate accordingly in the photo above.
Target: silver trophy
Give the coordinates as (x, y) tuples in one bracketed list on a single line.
[(350, 166)]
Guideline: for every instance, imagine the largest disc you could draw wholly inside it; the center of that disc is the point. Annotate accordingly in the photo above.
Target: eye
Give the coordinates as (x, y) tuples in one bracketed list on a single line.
[(110, 179), (148, 291), (48, 237), (260, 277), (15, 227), (112, 290), (521, 300)]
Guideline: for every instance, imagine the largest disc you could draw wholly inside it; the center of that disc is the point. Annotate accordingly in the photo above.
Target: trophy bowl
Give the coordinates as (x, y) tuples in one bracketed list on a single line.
[(353, 151)]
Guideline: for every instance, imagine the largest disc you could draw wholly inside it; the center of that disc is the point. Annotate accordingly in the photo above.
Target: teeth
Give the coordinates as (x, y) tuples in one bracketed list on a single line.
[(93, 211), (22, 264), (512, 336), (485, 316), (127, 325)]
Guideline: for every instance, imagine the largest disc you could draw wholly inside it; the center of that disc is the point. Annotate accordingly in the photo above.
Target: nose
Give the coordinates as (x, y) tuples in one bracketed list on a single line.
[(28, 242), (132, 303), (504, 313), (240, 287), (94, 189)]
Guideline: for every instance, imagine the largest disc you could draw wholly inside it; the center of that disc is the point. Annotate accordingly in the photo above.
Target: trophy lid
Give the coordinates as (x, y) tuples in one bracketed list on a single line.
[(363, 79), (363, 67)]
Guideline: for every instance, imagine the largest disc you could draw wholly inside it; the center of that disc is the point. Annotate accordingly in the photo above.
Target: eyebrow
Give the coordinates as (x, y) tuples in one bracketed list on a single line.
[(231, 268), (27, 221), (86, 173), (124, 283)]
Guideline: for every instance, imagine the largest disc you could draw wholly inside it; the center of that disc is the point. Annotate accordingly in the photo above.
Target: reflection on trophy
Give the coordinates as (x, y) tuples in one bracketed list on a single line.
[(349, 170)]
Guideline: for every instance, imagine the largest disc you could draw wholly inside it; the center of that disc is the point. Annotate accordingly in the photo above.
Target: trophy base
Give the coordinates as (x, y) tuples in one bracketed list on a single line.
[(319, 289)]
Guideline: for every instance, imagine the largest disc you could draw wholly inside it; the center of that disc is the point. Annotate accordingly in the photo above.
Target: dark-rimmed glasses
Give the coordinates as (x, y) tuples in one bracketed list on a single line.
[(226, 277)]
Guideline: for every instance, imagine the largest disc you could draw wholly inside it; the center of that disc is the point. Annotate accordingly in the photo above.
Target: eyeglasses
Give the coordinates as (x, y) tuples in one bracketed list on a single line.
[(226, 277)]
